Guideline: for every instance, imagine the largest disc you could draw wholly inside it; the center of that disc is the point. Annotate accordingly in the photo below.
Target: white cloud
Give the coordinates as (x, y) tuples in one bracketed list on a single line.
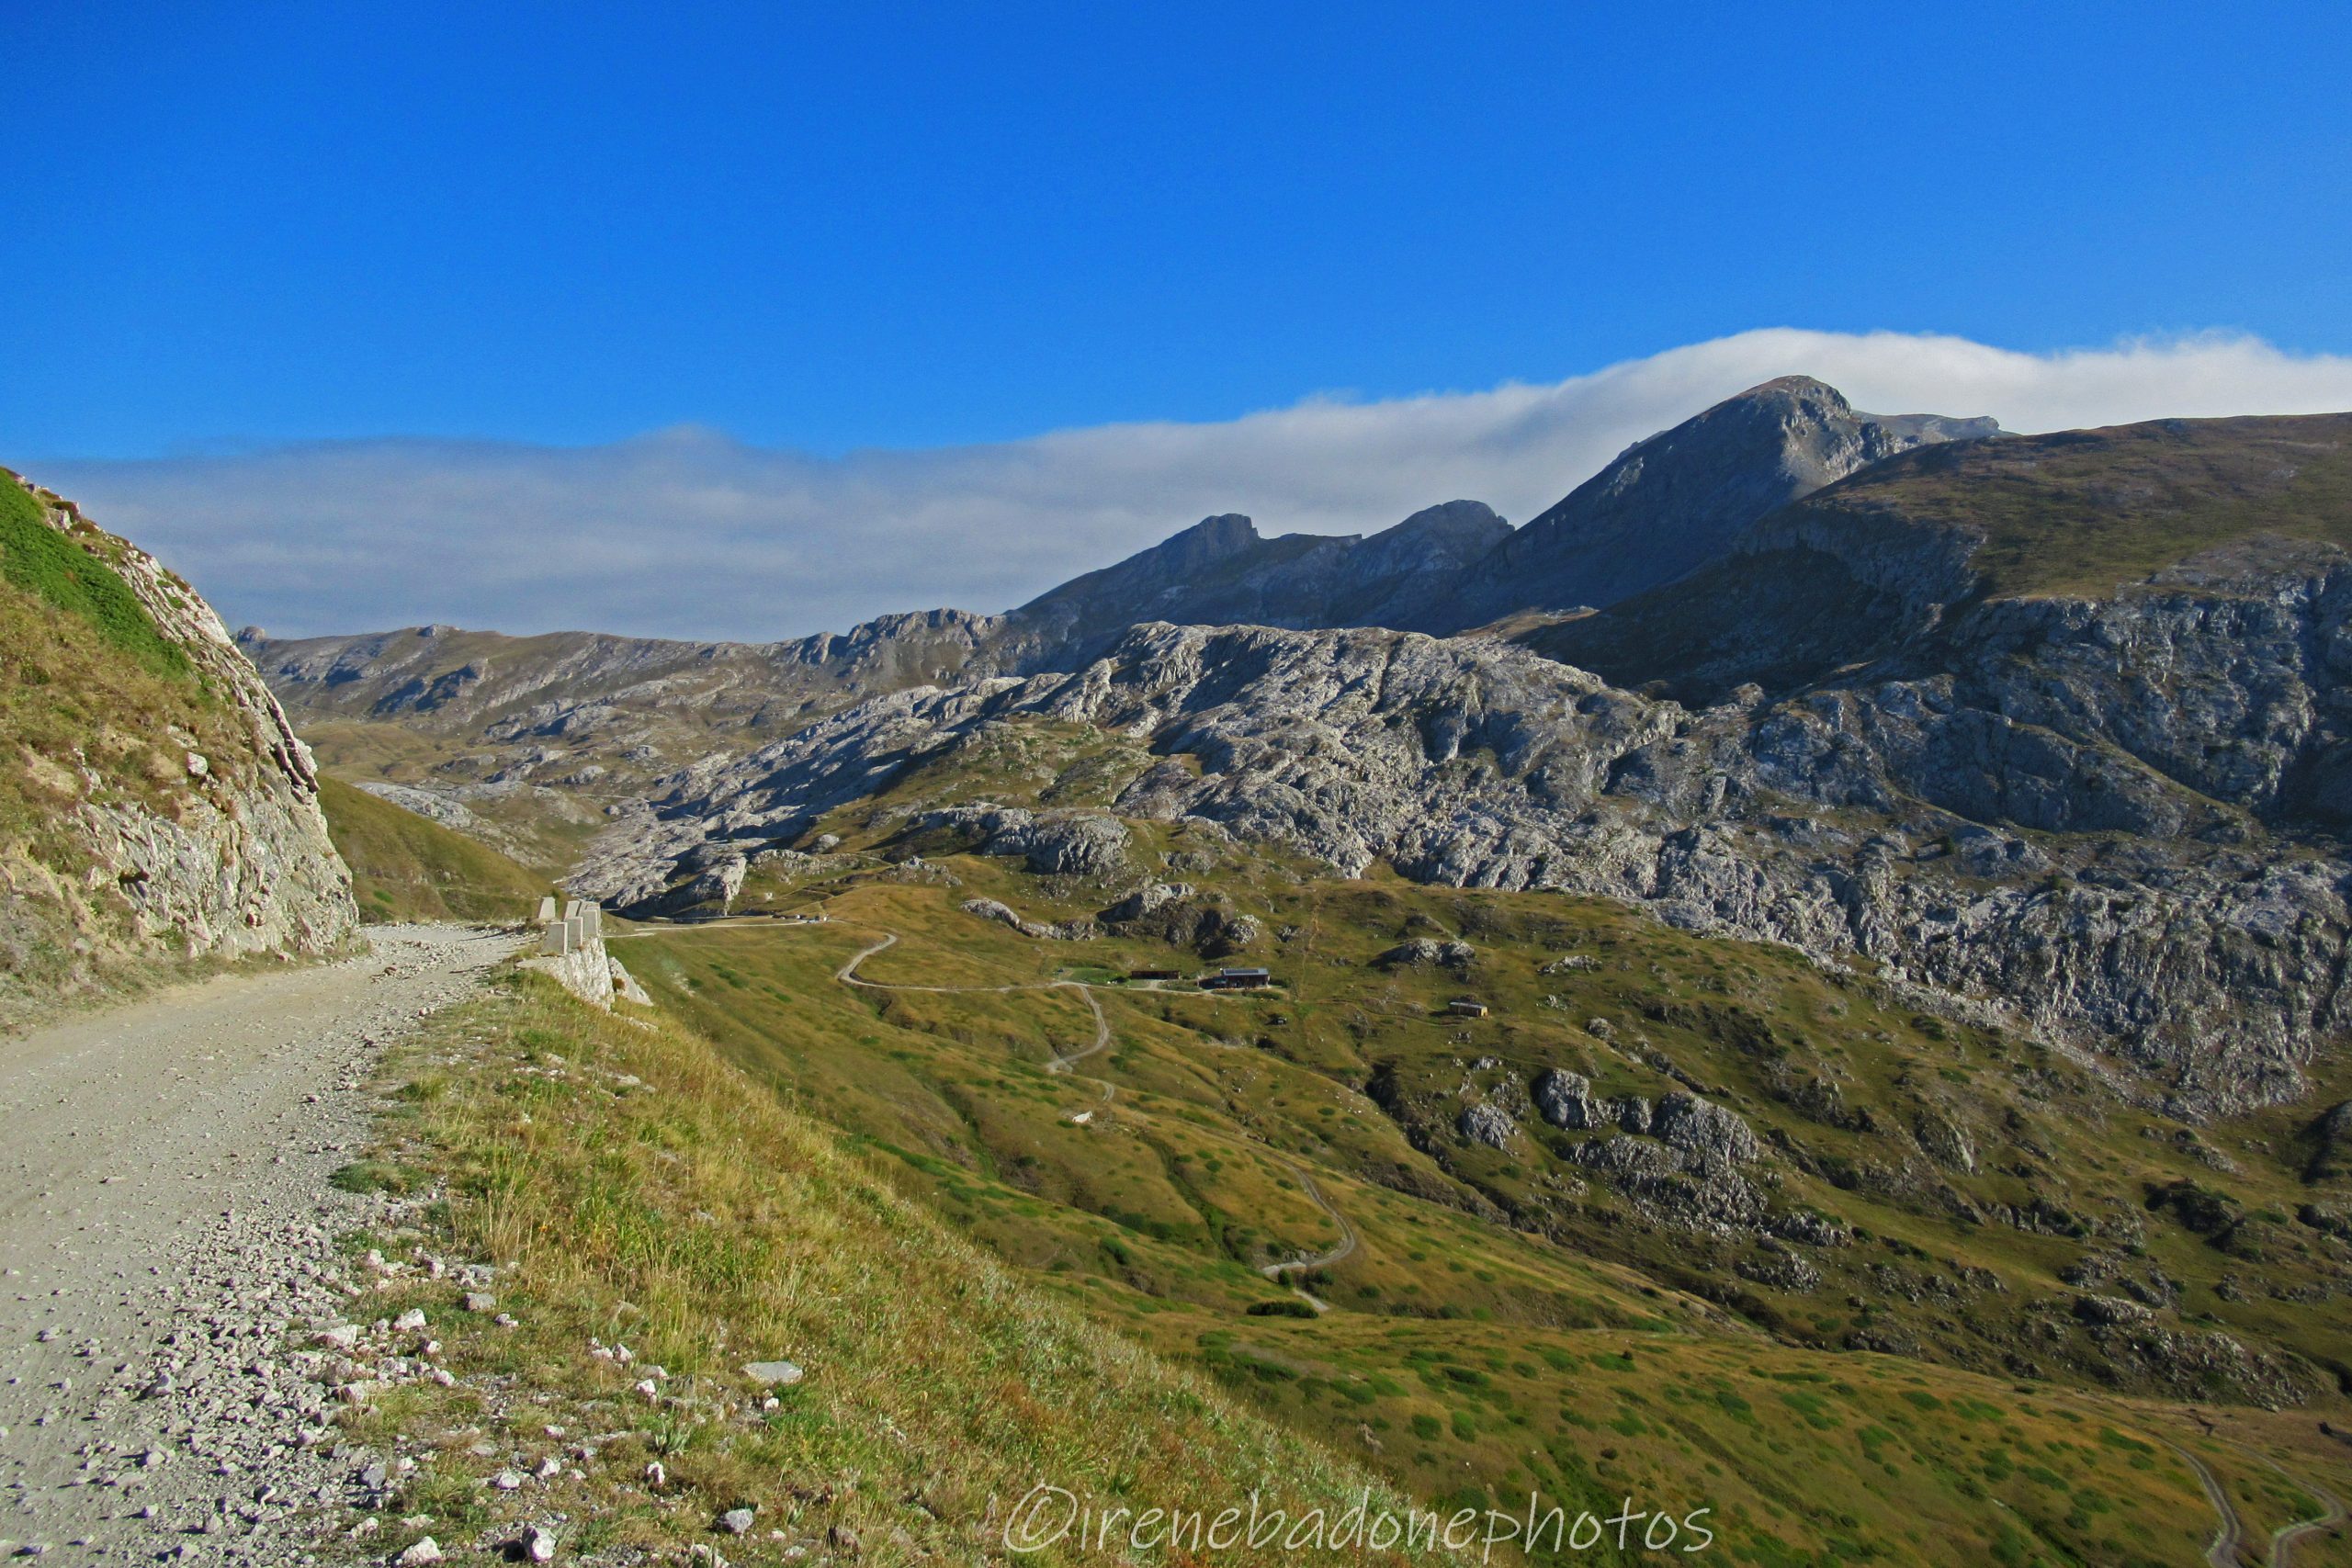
[(686, 533)]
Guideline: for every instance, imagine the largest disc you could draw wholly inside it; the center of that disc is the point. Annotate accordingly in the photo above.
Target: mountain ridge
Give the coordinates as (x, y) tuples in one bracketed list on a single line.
[(1669, 503), (651, 704)]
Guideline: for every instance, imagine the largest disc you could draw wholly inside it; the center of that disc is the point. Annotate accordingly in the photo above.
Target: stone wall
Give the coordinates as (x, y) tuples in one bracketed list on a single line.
[(571, 950)]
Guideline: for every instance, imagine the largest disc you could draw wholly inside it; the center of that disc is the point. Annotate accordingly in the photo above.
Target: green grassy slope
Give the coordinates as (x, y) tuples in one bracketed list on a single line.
[(2085, 511), (406, 867), (1507, 1320), (1465, 1355), (70, 575), (640, 1191)]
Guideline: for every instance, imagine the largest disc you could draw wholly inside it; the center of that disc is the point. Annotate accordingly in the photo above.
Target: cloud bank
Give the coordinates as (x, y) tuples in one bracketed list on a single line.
[(688, 534)]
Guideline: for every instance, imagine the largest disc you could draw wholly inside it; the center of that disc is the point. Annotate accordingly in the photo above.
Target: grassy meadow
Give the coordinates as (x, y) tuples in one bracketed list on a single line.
[(407, 867), (1501, 1327)]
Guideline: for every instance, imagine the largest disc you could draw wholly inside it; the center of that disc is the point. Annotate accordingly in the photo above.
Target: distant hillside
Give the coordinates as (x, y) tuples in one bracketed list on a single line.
[(155, 808), (528, 739), (1909, 560), (406, 867)]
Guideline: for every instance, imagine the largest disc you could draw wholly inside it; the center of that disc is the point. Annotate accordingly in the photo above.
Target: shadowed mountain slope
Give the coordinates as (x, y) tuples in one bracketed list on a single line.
[(1220, 572), (1672, 502)]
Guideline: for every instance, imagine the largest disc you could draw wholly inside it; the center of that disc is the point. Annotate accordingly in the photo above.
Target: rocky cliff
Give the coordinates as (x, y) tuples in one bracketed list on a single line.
[(159, 807)]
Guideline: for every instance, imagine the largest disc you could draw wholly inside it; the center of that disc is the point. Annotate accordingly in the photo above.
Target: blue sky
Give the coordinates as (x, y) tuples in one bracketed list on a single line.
[(841, 227)]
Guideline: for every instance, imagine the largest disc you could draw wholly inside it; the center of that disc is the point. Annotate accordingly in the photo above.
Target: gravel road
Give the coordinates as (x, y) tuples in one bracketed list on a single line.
[(166, 1227)]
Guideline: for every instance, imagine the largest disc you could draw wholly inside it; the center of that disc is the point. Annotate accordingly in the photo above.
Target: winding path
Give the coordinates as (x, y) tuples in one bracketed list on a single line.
[(2284, 1540), (2228, 1545), (1314, 1261), (2222, 1552), (848, 976)]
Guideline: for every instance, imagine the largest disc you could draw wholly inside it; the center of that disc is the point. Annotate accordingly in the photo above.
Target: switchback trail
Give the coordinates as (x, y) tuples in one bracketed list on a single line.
[(2228, 1546), (2222, 1552), (2286, 1537), (166, 1220), (1316, 1259), (847, 974)]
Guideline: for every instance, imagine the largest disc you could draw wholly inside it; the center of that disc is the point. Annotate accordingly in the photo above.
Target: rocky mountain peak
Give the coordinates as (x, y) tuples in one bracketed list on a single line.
[(1670, 504), (1452, 524), (1212, 539)]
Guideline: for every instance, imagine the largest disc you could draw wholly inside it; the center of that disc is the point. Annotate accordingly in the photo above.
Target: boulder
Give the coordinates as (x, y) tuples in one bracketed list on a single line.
[(1485, 1124), (1704, 1129), (1420, 953), (1564, 1100)]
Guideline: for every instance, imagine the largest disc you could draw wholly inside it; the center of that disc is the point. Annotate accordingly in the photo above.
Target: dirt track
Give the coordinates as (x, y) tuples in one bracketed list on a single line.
[(165, 1222)]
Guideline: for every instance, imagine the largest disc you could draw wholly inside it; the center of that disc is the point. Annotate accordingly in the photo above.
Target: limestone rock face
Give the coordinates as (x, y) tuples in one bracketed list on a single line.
[(1005, 914), (1049, 844), (2172, 940), (236, 860), (1149, 899), (1704, 1130), (1564, 1100)]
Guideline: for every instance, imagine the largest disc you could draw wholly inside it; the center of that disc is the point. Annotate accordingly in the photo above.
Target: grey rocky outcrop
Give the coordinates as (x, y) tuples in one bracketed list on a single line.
[(1049, 844), (1487, 1125), (1420, 953), (1180, 916), (1703, 1130), (1149, 899), (1564, 1100), (2201, 966), (1006, 915)]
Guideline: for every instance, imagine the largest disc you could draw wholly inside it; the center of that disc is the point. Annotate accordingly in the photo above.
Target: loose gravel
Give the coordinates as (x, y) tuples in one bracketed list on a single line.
[(168, 1257)]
